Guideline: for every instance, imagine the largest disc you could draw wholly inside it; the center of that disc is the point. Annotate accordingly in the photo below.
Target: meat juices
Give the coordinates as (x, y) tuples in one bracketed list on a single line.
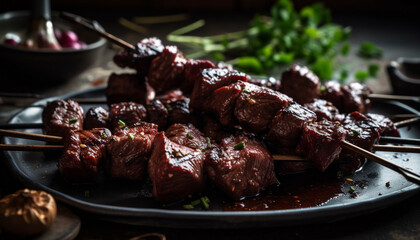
[(167, 70), (96, 117), (128, 88), (320, 143), (301, 84), (186, 135), (84, 152), (176, 171), (126, 114), (325, 110), (287, 125), (60, 116), (240, 171), (192, 72), (129, 151)]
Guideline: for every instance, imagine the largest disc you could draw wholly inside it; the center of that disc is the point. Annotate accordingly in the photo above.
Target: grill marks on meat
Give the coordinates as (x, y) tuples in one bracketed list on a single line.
[(128, 87), (186, 135), (141, 58), (287, 125), (60, 116), (301, 84), (129, 151), (320, 143), (256, 106), (83, 154), (167, 70), (240, 173), (387, 127), (192, 72), (176, 171), (325, 110), (96, 117), (128, 112)]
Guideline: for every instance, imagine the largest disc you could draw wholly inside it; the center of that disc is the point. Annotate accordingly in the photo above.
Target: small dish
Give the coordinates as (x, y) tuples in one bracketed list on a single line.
[(404, 74)]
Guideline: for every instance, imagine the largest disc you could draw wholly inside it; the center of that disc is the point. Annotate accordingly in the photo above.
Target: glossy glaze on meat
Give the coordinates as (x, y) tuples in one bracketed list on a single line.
[(128, 88), (186, 135), (387, 127), (96, 117), (157, 113), (126, 114), (193, 69), (325, 110), (179, 112), (60, 116), (271, 83)]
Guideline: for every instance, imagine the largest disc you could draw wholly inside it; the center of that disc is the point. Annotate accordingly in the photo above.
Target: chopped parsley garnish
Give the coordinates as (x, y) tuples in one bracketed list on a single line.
[(357, 133), (121, 123), (189, 136), (130, 135), (188, 207), (205, 201), (208, 142), (239, 146), (86, 193), (352, 189), (196, 202), (73, 120), (104, 135), (246, 90)]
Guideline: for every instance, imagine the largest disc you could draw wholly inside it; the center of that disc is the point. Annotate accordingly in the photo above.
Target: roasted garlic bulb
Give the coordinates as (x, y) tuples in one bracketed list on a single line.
[(27, 212)]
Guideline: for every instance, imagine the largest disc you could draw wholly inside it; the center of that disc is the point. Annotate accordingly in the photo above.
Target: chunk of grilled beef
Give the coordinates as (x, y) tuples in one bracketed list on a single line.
[(126, 114), (387, 127), (240, 171), (96, 117), (140, 59), (60, 116), (167, 70), (320, 143), (325, 110), (210, 80), (256, 106), (129, 151), (213, 129), (187, 135), (362, 132), (179, 112), (301, 84), (287, 126), (84, 151), (171, 96), (128, 88), (331, 92), (192, 72), (158, 113), (355, 98), (176, 171), (271, 83)]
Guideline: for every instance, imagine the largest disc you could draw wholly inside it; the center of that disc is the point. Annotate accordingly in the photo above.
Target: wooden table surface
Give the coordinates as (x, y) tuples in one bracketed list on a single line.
[(398, 37)]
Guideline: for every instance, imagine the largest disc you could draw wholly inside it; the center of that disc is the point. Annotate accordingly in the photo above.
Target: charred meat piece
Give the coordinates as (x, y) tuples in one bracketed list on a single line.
[(129, 151), (210, 80), (331, 91), (96, 117), (60, 116), (362, 132), (158, 114), (167, 70), (84, 152), (256, 106), (324, 110), (387, 127), (301, 84), (320, 143), (187, 135), (179, 112), (271, 83), (141, 58), (128, 88), (213, 129), (171, 96), (192, 72), (354, 98), (126, 114), (241, 167), (176, 171), (287, 125)]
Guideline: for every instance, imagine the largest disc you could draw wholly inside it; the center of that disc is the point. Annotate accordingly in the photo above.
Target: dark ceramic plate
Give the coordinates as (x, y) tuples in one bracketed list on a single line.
[(133, 203)]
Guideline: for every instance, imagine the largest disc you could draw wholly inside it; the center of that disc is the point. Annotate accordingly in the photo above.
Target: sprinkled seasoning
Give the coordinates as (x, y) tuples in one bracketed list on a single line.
[(104, 135), (83, 145), (121, 123), (189, 136), (130, 135)]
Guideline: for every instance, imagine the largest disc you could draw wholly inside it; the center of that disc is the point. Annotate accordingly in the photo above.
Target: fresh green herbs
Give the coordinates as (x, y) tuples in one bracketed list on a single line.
[(239, 146), (73, 120), (189, 136), (204, 201), (86, 194), (131, 136), (369, 50), (104, 135), (361, 75), (208, 142), (121, 123), (352, 189), (357, 133)]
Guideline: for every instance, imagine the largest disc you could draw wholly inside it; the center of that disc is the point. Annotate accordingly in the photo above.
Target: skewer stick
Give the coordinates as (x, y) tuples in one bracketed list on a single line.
[(375, 96), (409, 175), (404, 116), (388, 148), (33, 136), (406, 122), (386, 139), (11, 147)]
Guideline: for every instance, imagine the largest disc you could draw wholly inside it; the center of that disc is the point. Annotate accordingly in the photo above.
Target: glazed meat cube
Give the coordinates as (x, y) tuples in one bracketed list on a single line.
[(179, 112), (387, 127), (167, 70), (96, 117), (213, 129), (301, 84), (331, 92), (210, 80), (320, 143), (186, 135), (271, 83), (60, 116), (158, 114), (287, 125), (192, 72), (126, 114), (325, 110), (241, 167), (176, 171), (171, 96), (84, 151), (128, 88), (129, 151), (256, 106), (354, 98), (140, 59)]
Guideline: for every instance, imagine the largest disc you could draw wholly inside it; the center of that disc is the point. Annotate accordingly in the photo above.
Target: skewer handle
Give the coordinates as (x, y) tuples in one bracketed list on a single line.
[(21, 126), (9, 147), (375, 96), (399, 140), (406, 122), (388, 148), (33, 136)]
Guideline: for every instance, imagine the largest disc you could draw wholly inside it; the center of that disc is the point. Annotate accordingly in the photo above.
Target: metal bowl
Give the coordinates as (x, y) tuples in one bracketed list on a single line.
[(42, 64), (405, 76)]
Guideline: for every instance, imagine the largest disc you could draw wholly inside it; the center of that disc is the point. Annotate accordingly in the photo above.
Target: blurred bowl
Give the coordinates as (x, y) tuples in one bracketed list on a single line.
[(43, 64), (405, 76)]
